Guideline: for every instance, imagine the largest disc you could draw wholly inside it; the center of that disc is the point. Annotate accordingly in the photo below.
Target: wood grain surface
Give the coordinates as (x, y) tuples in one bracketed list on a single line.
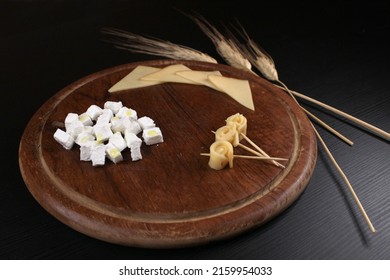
[(170, 198)]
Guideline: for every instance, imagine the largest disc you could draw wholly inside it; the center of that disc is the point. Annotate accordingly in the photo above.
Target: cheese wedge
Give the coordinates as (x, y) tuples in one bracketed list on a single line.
[(200, 77), (238, 89), (132, 80), (168, 74)]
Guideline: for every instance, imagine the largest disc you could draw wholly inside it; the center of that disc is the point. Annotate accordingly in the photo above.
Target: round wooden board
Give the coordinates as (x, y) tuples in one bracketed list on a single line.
[(171, 197)]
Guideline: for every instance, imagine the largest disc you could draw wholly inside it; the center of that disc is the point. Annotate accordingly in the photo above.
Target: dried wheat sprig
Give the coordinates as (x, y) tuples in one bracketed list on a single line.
[(226, 48), (266, 66), (153, 46), (263, 62)]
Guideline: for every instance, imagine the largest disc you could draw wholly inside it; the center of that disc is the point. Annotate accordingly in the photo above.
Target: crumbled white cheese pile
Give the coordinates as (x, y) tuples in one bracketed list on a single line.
[(106, 132)]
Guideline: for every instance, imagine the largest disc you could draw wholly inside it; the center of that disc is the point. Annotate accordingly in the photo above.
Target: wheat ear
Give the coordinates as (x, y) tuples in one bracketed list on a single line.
[(226, 48), (153, 46)]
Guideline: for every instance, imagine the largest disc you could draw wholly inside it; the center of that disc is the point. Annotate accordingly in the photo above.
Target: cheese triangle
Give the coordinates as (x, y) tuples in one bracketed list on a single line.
[(238, 89), (199, 77), (132, 80), (168, 74)]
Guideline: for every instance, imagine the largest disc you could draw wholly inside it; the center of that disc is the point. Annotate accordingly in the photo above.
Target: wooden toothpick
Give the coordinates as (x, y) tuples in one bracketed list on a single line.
[(260, 150), (250, 157)]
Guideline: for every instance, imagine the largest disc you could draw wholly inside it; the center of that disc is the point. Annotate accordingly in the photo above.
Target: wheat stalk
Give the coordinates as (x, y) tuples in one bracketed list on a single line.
[(265, 64), (153, 46)]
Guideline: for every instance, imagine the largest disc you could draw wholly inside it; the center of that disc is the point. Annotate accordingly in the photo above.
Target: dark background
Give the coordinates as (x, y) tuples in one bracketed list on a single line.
[(335, 52)]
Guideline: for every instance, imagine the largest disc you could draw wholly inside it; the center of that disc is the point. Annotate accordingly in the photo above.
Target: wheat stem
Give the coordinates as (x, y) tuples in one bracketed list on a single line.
[(315, 118), (371, 128), (356, 198)]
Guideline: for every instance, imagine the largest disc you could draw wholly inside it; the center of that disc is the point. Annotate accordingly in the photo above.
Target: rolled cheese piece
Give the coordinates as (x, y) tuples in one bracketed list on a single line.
[(240, 122), (221, 154), (228, 133)]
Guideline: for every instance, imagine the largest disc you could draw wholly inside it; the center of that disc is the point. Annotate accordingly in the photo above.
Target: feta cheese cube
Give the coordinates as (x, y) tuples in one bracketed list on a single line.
[(135, 152), (102, 132), (83, 138), (85, 119), (113, 106), (117, 140), (132, 139), (64, 139), (113, 153), (132, 126), (146, 122), (105, 117), (98, 155), (75, 128), (70, 117), (117, 124), (126, 112), (94, 112), (134, 143), (152, 136)]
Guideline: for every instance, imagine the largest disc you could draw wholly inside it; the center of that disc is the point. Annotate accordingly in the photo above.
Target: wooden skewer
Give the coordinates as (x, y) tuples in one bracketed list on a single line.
[(260, 150), (260, 154), (250, 157)]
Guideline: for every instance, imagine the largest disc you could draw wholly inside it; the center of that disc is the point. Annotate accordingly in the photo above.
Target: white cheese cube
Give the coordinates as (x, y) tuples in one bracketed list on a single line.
[(105, 117), (86, 150), (85, 153), (132, 139), (135, 152), (152, 136), (85, 119), (132, 126), (94, 112), (88, 129), (146, 122), (75, 128), (102, 132), (113, 153), (127, 112), (117, 124), (117, 140), (64, 139), (70, 117), (134, 143), (83, 138), (113, 106), (98, 155)]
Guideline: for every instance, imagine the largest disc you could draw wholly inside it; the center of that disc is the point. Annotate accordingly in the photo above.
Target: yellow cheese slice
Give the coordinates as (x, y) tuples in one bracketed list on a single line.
[(168, 74), (238, 89), (200, 77), (132, 80)]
